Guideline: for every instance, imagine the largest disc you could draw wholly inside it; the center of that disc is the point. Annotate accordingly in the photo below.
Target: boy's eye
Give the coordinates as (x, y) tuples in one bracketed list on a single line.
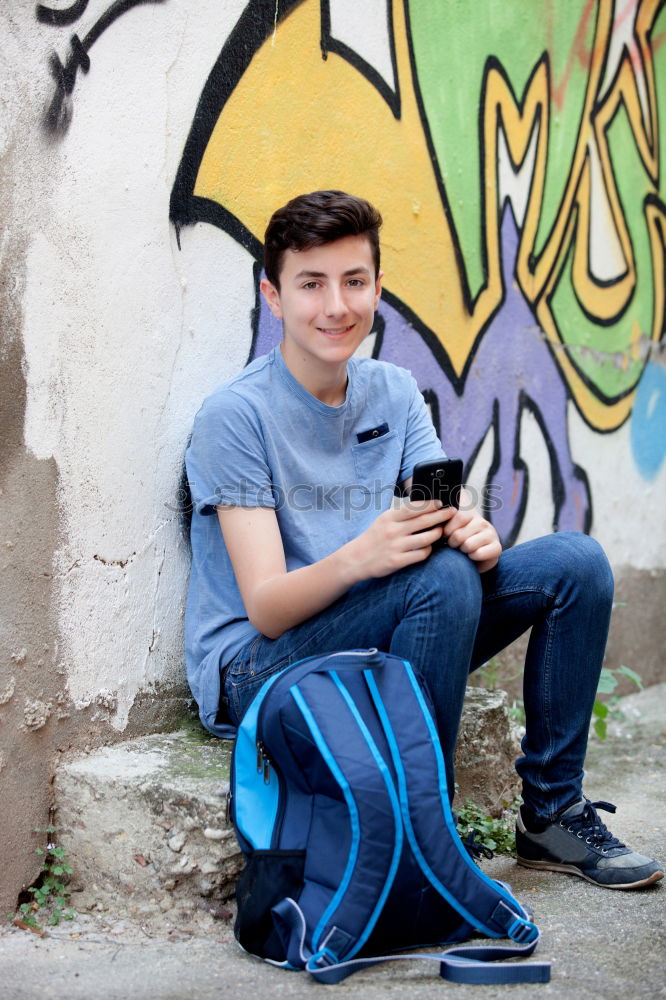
[(311, 284), (356, 282)]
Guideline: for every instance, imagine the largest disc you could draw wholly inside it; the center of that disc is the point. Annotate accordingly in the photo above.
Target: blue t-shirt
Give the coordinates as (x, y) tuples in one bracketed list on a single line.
[(262, 440)]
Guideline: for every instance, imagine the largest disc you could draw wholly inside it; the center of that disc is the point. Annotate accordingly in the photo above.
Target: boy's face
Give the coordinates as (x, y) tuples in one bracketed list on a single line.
[(327, 300)]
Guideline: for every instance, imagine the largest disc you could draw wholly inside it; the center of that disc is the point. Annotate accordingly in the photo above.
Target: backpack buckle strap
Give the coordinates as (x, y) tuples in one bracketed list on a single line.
[(515, 925), (322, 959), (523, 931), (337, 942), (325, 964), (326, 967)]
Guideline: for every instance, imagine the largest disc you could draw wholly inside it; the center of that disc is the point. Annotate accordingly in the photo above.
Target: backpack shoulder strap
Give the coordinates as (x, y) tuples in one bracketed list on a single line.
[(421, 778), (458, 965)]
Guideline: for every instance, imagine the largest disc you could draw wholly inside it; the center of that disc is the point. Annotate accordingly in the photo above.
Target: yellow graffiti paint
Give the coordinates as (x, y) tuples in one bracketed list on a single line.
[(605, 303), (501, 111)]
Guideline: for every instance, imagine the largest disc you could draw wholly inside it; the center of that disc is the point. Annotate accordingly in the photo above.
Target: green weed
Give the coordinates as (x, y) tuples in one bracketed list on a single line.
[(493, 674), (497, 835), (50, 891), (603, 710)]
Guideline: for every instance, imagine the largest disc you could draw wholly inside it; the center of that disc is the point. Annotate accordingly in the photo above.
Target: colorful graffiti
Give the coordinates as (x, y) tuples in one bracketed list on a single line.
[(59, 113), (525, 229)]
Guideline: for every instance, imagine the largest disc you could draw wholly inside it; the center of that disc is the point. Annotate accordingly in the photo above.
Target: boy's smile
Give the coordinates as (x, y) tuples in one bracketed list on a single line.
[(327, 301)]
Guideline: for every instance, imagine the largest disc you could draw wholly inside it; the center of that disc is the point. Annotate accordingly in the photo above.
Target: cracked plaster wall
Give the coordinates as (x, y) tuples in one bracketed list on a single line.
[(115, 351), (105, 355)]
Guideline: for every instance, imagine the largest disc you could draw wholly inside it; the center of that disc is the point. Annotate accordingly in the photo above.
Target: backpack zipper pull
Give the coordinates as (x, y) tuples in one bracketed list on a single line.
[(263, 762)]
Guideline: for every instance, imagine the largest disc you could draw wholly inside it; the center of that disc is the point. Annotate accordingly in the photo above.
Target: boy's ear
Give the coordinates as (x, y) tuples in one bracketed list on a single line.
[(378, 289), (272, 296)]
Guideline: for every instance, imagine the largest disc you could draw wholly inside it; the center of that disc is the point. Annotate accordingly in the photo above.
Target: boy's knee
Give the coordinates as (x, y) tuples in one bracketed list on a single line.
[(582, 560), (454, 578)]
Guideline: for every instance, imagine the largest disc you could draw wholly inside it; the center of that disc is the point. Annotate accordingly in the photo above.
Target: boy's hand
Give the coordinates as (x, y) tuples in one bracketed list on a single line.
[(472, 534), (390, 543)]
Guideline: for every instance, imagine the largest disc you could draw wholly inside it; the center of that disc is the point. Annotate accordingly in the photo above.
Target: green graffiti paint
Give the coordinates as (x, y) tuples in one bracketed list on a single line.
[(452, 43), (603, 352)]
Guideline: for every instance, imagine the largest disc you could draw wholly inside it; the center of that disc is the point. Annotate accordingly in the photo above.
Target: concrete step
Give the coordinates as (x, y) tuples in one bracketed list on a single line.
[(145, 819), (602, 944)]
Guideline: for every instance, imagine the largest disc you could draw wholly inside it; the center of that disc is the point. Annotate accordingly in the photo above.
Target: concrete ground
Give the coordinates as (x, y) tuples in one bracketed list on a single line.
[(601, 943)]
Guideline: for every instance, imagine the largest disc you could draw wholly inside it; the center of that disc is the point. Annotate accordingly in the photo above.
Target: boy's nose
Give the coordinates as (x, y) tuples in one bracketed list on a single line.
[(334, 303)]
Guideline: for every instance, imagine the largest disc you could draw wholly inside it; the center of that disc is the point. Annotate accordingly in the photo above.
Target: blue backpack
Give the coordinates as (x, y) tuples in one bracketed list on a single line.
[(340, 805)]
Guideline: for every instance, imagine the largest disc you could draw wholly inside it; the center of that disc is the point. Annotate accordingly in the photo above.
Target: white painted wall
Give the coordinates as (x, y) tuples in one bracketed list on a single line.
[(123, 337)]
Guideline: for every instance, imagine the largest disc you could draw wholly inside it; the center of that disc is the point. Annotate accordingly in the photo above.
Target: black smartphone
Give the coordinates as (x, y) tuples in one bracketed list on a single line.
[(440, 480)]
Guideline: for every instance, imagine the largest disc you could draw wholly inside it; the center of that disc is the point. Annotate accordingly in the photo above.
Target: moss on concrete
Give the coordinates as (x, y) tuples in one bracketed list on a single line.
[(191, 753)]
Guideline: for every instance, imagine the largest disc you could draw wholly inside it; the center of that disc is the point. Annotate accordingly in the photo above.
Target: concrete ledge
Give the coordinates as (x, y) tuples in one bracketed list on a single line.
[(488, 745), (146, 818)]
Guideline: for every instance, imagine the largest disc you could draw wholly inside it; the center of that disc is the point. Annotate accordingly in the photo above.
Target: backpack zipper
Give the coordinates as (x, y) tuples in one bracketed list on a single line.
[(265, 767), (289, 676), (263, 763)]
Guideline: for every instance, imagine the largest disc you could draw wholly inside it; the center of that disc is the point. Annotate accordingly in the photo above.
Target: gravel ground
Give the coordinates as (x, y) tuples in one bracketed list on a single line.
[(601, 943)]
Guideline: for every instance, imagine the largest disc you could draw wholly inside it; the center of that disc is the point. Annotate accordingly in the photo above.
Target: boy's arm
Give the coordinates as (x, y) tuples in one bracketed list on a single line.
[(276, 600)]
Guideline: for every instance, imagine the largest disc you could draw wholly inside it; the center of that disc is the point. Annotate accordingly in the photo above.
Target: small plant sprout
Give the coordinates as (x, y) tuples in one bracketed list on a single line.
[(497, 835), (51, 889), (602, 710)]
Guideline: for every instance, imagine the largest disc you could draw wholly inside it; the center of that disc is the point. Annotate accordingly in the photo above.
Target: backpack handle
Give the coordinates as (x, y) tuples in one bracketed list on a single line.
[(352, 659), (348, 660)]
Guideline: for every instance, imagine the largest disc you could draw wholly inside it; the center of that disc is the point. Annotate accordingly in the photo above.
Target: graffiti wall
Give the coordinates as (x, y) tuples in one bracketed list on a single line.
[(516, 151), (524, 237)]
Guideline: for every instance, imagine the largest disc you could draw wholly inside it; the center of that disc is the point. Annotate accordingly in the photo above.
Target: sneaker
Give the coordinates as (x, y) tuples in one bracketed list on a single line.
[(577, 842)]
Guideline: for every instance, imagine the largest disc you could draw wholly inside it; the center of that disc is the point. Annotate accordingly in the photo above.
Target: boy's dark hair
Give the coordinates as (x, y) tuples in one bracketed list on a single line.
[(311, 220)]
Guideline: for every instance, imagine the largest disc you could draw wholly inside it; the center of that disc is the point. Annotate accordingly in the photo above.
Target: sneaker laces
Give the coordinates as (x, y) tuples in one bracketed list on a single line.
[(588, 826)]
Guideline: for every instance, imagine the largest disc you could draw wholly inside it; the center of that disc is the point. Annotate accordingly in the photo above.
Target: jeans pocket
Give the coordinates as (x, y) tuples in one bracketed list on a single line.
[(242, 686), (243, 663)]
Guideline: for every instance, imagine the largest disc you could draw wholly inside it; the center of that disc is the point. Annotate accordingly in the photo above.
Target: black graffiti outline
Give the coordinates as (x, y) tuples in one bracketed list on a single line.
[(61, 18), (654, 201), (329, 43), (56, 118), (580, 372), (254, 26)]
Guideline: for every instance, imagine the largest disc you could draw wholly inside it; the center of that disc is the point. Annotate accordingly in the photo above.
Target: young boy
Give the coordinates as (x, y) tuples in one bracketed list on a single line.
[(298, 547)]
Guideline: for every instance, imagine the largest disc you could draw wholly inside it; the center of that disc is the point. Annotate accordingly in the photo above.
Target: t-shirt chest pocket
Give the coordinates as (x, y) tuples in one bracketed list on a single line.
[(377, 460)]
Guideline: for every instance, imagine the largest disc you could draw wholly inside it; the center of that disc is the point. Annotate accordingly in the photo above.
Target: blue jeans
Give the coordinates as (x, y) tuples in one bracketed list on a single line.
[(447, 620)]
